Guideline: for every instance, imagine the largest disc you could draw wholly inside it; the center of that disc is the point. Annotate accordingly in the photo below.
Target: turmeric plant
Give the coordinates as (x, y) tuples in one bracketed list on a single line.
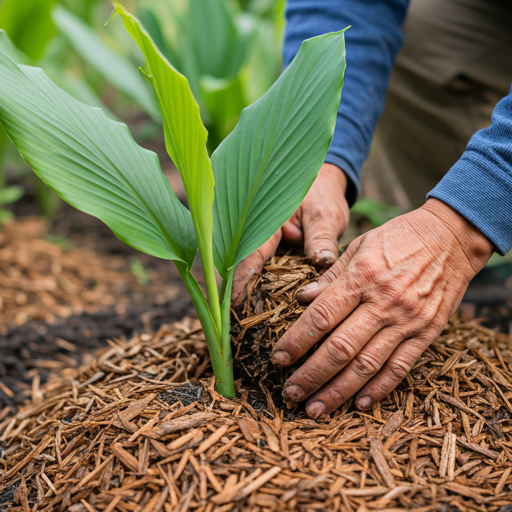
[(252, 184)]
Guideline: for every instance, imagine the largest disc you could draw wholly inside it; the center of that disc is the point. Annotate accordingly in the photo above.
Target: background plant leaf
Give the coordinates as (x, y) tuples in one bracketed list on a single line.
[(29, 24), (114, 67), (93, 163), (10, 194), (265, 167)]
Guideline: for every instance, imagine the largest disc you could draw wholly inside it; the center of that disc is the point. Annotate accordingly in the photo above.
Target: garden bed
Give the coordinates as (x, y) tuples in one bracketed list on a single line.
[(141, 428), (63, 296)]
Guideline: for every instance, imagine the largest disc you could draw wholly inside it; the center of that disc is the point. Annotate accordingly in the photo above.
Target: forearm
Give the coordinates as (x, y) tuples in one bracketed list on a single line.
[(372, 43), (479, 185)]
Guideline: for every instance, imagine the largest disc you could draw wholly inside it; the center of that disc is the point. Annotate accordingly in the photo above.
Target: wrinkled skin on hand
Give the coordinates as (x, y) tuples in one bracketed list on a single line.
[(318, 223), (381, 305)]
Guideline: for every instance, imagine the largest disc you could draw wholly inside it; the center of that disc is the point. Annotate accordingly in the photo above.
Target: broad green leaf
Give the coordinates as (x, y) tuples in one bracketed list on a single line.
[(114, 67), (185, 135), (225, 100), (29, 24), (93, 163), (267, 164), (9, 48)]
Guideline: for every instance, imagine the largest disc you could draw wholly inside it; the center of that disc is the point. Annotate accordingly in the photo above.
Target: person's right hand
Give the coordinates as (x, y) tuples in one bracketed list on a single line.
[(317, 224)]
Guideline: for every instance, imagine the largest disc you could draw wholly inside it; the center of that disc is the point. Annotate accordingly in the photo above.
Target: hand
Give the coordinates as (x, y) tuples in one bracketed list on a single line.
[(383, 302), (318, 223)]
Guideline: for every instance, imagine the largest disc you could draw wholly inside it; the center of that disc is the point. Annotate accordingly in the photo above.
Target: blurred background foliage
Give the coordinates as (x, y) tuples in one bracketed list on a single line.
[(230, 51)]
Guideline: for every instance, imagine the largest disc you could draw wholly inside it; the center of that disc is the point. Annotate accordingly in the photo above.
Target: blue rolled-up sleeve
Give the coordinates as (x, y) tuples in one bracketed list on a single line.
[(479, 185), (372, 43)]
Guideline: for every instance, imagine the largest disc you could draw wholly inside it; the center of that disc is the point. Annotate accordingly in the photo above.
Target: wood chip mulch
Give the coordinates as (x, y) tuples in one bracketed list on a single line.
[(41, 280), (125, 434)]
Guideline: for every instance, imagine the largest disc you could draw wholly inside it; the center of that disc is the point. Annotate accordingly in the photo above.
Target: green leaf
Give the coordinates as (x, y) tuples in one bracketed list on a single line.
[(202, 37), (115, 68), (29, 24), (10, 195), (267, 164), (185, 139), (377, 213), (225, 100), (93, 163)]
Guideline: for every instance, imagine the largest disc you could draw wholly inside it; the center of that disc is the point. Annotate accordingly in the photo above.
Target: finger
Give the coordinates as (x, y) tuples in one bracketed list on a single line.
[(394, 371), (336, 352), (311, 291), (292, 231), (252, 265), (320, 318), (356, 374), (321, 233)]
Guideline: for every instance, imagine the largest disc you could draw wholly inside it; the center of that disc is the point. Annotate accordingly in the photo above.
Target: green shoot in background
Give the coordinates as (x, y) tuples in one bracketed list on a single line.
[(252, 184)]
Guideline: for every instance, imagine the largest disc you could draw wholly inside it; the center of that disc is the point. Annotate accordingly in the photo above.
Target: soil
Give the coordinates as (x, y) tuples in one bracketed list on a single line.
[(268, 312)]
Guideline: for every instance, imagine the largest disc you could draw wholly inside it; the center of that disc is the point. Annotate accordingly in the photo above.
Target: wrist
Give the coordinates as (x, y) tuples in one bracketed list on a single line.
[(335, 175), (475, 245)]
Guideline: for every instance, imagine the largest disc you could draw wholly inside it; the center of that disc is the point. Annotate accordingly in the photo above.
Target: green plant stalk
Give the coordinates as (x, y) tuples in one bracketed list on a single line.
[(206, 253), (222, 365), (225, 339)]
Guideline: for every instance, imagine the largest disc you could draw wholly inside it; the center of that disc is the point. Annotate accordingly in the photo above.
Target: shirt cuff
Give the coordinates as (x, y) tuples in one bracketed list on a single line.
[(482, 198)]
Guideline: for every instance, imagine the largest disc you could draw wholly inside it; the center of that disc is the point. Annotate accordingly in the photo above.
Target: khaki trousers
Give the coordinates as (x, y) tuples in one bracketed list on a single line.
[(456, 64)]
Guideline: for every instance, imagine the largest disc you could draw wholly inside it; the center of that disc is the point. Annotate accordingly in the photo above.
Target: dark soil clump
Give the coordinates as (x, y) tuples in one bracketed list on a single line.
[(187, 394), (270, 310)]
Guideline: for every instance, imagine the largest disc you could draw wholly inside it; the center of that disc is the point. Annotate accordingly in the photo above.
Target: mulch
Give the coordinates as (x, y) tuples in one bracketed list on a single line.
[(43, 281), (141, 428), (59, 300)]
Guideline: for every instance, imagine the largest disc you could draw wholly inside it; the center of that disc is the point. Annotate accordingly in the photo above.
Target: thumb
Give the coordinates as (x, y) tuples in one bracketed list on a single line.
[(252, 266)]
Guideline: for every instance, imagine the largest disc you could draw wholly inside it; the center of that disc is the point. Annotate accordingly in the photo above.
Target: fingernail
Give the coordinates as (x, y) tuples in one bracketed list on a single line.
[(308, 288), (281, 358), (326, 257), (365, 402), (293, 392), (315, 409)]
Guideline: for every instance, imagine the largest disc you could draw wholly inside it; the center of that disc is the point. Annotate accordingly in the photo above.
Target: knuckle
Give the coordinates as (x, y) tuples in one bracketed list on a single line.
[(309, 380), (398, 370), (323, 316), (392, 294), (330, 276), (334, 396), (436, 327), (366, 271), (365, 365), (340, 351)]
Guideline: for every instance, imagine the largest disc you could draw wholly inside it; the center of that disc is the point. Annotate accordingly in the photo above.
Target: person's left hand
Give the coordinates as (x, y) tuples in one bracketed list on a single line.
[(316, 225), (381, 305)]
